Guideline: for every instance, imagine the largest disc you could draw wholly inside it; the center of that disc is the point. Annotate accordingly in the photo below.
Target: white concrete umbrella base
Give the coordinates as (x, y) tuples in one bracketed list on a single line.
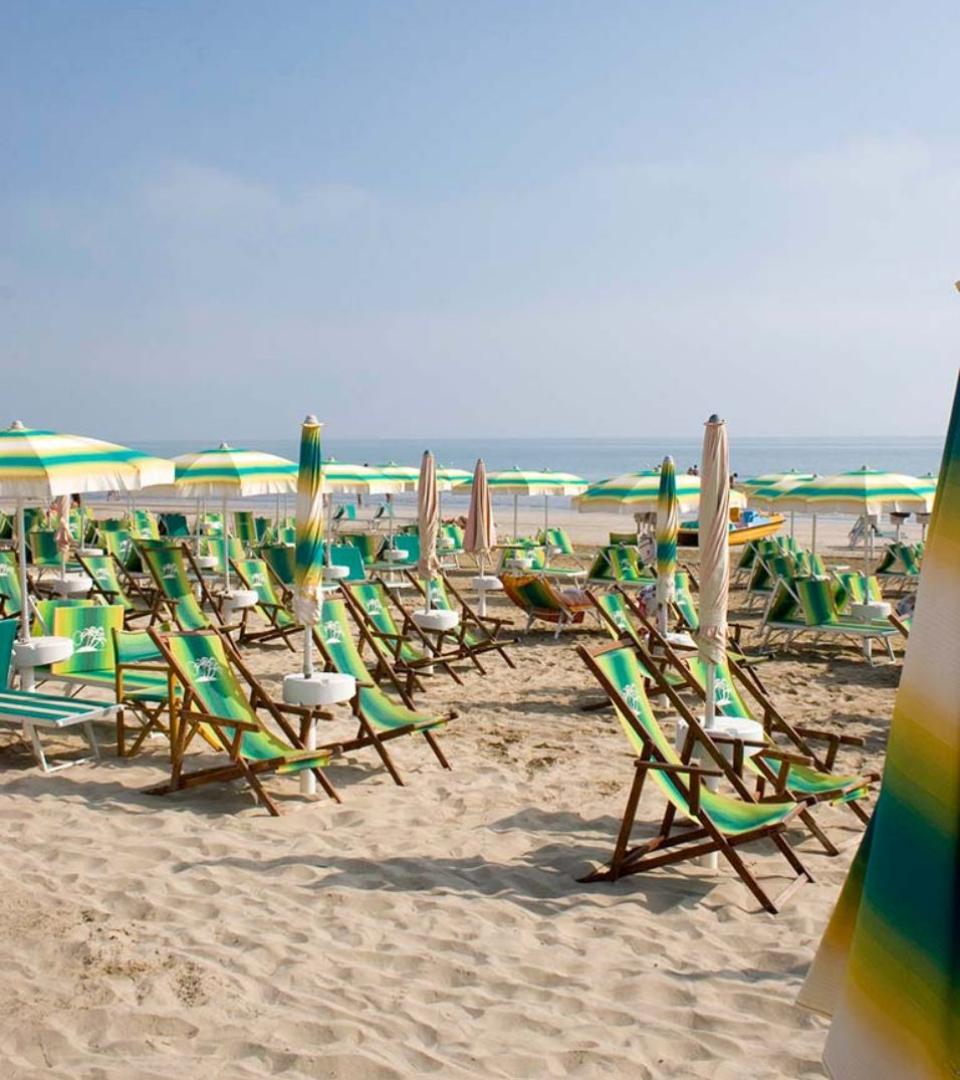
[(239, 600), (335, 572), (93, 552), (206, 562), (70, 585), (434, 624), (874, 611), (38, 652), (485, 583), (316, 691)]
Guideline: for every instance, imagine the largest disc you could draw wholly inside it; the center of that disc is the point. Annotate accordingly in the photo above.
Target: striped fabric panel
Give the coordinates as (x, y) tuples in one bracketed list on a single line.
[(48, 709)]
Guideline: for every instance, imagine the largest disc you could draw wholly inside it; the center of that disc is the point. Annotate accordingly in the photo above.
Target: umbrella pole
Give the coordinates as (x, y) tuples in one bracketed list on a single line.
[(546, 515), (516, 499), (226, 546), (792, 515), (22, 547), (328, 500), (710, 691), (813, 536), (276, 516), (197, 526)]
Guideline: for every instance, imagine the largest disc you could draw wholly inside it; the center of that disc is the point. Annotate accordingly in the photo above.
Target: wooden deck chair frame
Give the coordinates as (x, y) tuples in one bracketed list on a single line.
[(149, 713), (206, 596), (132, 591), (186, 719), (433, 652), (690, 842), (367, 735), (488, 625), (772, 721), (271, 612)]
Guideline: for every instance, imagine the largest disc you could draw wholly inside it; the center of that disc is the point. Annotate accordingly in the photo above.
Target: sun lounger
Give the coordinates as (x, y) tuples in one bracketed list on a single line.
[(539, 599)]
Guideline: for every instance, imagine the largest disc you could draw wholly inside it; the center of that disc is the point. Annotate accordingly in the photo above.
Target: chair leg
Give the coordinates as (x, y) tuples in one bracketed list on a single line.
[(435, 747)]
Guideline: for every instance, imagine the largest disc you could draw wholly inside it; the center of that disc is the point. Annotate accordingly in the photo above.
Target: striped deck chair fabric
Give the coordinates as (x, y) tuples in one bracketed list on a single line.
[(175, 526), (168, 569), (11, 594), (368, 544), (558, 538), (723, 817), (281, 559), (539, 599), (105, 573), (280, 622), (372, 600), (44, 553)]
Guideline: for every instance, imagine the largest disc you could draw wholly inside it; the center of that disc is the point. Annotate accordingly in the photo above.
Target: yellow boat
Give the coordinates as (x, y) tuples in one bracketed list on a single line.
[(744, 527)]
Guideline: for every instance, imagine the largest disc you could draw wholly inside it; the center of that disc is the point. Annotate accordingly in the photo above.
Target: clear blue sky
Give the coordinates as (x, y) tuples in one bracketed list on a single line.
[(479, 218)]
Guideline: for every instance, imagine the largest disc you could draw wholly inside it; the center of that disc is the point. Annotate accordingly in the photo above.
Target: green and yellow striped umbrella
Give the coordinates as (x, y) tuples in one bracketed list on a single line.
[(765, 480), (308, 563), (39, 464), (516, 482), (862, 491), (888, 966), (362, 479), (637, 492), (668, 525), (449, 477), (228, 471)]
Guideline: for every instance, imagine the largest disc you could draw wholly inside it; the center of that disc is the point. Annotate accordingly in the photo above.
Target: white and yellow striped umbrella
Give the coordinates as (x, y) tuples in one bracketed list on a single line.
[(39, 464), (862, 491), (227, 471), (637, 492)]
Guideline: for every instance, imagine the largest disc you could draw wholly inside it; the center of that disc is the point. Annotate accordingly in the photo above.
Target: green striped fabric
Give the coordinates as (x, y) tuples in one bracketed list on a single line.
[(43, 612), (119, 543), (308, 558), (621, 667), (201, 661), (138, 647), (281, 560), (850, 589), (175, 526), (684, 601), (368, 544), (801, 779), (103, 570), (517, 481), (91, 630), (783, 609), (860, 491), (372, 599), (235, 550), (169, 570), (244, 528), (556, 537), (144, 525), (36, 463), (380, 710), (668, 523), (48, 709), (637, 491), (10, 590), (816, 601), (454, 533), (256, 576), (227, 469), (44, 552)]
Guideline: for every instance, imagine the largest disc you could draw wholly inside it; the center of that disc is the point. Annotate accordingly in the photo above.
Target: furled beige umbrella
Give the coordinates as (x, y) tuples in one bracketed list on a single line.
[(481, 532), (714, 556), (428, 515)]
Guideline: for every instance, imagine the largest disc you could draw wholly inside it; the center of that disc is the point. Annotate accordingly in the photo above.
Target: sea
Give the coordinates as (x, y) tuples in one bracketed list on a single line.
[(599, 458)]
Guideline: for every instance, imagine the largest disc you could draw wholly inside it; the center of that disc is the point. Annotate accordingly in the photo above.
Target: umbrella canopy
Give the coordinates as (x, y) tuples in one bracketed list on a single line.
[(396, 477), (764, 480), (714, 554), (39, 464), (308, 559), (341, 476), (637, 492), (888, 966), (229, 471), (668, 525), (428, 516), (517, 482), (449, 477), (43, 465), (862, 491), (481, 533), (764, 496)]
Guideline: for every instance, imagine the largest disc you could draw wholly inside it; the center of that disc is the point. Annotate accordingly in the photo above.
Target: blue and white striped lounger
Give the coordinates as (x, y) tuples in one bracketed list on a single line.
[(32, 711)]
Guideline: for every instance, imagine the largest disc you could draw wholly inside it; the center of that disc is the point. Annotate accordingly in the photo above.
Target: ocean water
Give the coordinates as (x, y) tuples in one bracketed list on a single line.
[(596, 459)]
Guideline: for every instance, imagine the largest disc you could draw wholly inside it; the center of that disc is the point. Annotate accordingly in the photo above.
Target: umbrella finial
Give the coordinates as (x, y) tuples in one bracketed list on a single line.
[(714, 419), (311, 420), (223, 446), (17, 425)]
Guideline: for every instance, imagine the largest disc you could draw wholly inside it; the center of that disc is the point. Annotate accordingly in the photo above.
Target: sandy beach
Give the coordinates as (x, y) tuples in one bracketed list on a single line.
[(432, 929)]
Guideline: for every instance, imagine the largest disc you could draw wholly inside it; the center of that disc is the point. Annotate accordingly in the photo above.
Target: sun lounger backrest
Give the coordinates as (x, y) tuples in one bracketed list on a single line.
[(784, 606), (282, 560), (91, 629), (43, 547), (686, 605), (816, 601), (372, 599), (729, 701), (8, 634), (617, 619), (103, 570), (335, 632), (256, 576), (169, 569)]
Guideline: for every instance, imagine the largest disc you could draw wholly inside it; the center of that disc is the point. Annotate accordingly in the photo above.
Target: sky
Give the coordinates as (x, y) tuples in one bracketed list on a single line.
[(499, 218)]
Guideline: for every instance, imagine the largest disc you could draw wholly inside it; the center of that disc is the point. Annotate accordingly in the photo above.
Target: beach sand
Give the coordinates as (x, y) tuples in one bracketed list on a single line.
[(434, 929)]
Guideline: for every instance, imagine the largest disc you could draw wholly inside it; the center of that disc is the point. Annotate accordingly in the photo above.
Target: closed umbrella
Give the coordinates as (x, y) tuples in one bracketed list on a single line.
[(480, 534), (428, 518), (668, 525), (714, 556), (227, 471), (308, 559), (888, 965), (41, 465)]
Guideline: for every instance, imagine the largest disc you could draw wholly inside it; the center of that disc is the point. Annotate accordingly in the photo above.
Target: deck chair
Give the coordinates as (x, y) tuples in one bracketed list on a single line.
[(143, 688), (214, 547), (11, 594), (723, 822), (221, 700), (822, 619), (114, 585), (767, 571), (368, 544), (144, 525), (475, 634), (619, 564), (6, 526), (537, 554), (168, 567), (34, 712), (44, 553), (408, 543), (539, 598), (244, 529), (263, 527), (281, 561), (558, 538), (450, 544), (280, 622), (380, 717), (409, 649), (799, 772), (174, 526), (119, 543)]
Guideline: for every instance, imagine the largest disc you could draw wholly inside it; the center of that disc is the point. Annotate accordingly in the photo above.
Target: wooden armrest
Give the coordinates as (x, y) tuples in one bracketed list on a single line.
[(675, 767), (831, 736), (787, 756), (716, 737)]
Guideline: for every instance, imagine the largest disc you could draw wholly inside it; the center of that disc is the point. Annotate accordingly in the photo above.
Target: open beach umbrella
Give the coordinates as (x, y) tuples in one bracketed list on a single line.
[(765, 480), (428, 518), (42, 465), (888, 965), (714, 556), (448, 478), (480, 534), (764, 496), (308, 559), (227, 471), (861, 493), (342, 477), (532, 482), (668, 525)]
